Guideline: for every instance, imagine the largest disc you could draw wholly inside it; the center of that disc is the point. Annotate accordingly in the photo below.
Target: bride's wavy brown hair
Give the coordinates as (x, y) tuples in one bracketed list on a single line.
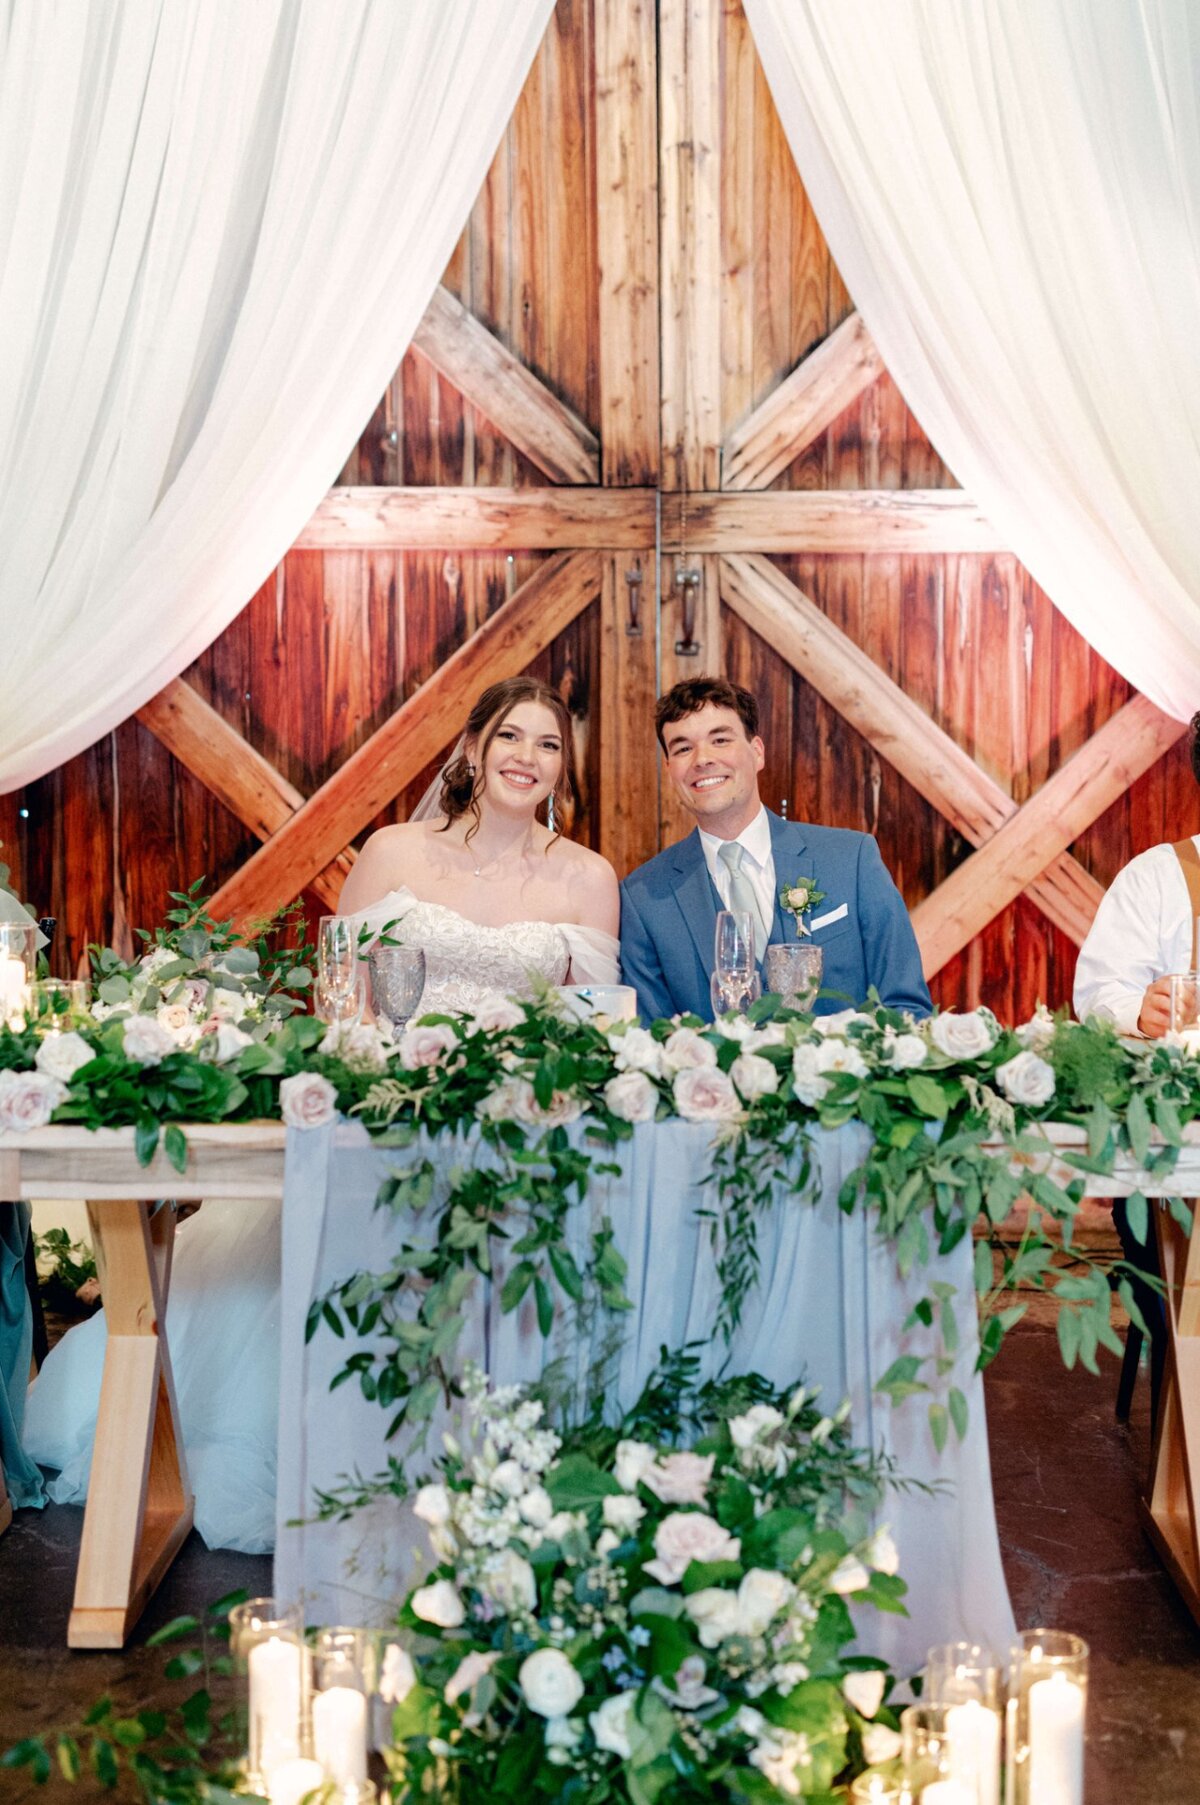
[(462, 780)]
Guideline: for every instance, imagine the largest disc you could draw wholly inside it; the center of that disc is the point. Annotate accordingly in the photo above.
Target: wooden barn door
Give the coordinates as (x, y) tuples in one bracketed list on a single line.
[(641, 433)]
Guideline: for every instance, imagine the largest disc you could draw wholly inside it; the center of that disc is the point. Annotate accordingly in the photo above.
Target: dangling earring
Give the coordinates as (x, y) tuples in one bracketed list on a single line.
[(550, 811), (470, 770)]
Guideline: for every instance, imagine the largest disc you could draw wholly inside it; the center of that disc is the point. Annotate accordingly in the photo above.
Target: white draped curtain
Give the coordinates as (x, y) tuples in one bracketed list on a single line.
[(1011, 191), (220, 225)]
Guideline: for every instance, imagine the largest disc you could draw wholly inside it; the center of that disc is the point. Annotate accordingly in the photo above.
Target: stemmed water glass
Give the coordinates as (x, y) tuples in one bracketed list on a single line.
[(397, 980), (735, 979)]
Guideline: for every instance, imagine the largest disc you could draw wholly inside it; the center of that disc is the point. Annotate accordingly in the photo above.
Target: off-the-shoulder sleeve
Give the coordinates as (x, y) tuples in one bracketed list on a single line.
[(595, 956)]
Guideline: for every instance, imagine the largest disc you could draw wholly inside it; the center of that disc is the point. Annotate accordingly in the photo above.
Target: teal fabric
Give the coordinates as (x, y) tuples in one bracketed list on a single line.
[(24, 1481)]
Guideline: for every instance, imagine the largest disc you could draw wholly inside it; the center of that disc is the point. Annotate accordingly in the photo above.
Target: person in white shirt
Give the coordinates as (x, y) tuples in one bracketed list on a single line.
[(1145, 930)]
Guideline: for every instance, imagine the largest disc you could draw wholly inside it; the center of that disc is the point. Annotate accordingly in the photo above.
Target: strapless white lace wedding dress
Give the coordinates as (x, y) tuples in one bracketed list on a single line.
[(223, 1308)]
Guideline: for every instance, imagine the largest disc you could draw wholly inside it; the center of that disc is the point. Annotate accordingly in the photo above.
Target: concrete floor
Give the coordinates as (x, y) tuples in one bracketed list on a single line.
[(1067, 1479)]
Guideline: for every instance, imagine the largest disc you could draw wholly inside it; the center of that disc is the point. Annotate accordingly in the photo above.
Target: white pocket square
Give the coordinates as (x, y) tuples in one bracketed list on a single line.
[(823, 921)]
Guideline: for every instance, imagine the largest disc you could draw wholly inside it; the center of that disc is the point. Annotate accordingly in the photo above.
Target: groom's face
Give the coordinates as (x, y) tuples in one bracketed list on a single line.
[(714, 766)]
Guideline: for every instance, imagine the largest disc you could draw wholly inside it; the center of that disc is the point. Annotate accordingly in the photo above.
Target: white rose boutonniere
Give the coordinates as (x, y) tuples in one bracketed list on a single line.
[(800, 899)]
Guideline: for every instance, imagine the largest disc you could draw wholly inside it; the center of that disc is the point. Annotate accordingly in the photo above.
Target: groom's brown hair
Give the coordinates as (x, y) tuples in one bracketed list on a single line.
[(695, 693)]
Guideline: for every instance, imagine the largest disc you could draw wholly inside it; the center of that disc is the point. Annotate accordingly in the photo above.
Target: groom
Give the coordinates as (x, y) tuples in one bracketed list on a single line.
[(742, 856)]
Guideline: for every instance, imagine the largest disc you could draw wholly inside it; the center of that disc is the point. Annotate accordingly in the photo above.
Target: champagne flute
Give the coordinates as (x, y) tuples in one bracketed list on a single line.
[(735, 979), (340, 1004)]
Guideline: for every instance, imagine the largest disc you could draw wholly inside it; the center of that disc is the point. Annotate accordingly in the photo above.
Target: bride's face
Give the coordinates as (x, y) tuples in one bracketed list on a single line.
[(524, 760)]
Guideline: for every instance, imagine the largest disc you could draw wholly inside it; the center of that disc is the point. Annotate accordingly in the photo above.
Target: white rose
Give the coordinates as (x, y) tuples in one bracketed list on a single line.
[(962, 1036), (432, 1505), (62, 1055), (715, 1615), (307, 1101), (864, 1691), (840, 1021), (631, 1097), (880, 1744), (179, 1023), (1038, 1031), (754, 1076), (761, 1596), (496, 1015), (550, 1684), (882, 1553), (535, 1507), (636, 1050), (687, 1051), (612, 1723), (362, 1045), (563, 1733), (424, 1047), (849, 1576), (704, 1094), (797, 897), (154, 960), (755, 1424), (29, 1099), (1026, 1079), (771, 1034), (607, 1542), (230, 1040), (468, 1673), (633, 1460), (145, 1040), (807, 1082), (398, 1676), (835, 1055), (904, 1052), (438, 1603), (623, 1512), (508, 1102), (686, 1536), (227, 1005), (508, 1578), (680, 1478), (561, 1109)]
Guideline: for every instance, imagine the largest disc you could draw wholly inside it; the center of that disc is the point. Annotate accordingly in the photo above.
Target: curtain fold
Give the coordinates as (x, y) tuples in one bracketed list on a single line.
[(217, 237), (1012, 195)]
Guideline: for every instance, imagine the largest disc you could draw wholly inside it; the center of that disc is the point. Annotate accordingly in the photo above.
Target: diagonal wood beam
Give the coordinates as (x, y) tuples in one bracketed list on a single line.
[(803, 405), (421, 727), (1135, 738), (898, 728), (227, 764), (483, 519), (504, 389)]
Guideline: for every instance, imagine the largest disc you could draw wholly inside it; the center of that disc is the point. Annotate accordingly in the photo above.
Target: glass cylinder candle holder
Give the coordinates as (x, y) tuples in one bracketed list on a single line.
[(877, 1789), (1047, 1705), (341, 1704), (388, 1674), (18, 965), (965, 1678), (925, 1749), (291, 1781), (266, 1642), (60, 1005)]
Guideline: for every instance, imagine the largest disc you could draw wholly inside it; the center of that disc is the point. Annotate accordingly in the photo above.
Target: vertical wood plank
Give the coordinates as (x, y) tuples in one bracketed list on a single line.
[(675, 666), (690, 177)]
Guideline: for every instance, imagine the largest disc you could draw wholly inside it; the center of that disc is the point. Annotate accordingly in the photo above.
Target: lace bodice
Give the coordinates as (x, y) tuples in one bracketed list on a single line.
[(466, 963)]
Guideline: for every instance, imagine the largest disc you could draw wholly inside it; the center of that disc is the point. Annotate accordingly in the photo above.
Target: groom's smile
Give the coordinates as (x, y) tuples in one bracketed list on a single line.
[(714, 766)]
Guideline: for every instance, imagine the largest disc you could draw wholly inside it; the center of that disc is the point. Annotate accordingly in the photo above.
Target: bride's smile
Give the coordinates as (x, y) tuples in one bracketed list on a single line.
[(524, 757)]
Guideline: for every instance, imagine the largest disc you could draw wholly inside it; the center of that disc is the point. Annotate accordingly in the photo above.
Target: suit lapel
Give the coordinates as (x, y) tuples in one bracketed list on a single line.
[(789, 849), (697, 897)]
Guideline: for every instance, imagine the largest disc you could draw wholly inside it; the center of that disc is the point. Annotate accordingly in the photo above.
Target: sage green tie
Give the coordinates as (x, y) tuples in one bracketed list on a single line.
[(742, 894)]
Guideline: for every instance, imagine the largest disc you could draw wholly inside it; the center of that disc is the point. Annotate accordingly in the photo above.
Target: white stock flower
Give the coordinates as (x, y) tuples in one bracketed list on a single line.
[(29, 1099), (432, 1504), (536, 1507), (623, 1512), (754, 1076), (440, 1604), (550, 1684), (903, 1052), (398, 1676), (636, 1050), (496, 1015), (962, 1036), (864, 1691), (715, 1615), (227, 1005), (508, 1478), (880, 1744), (633, 1460), (808, 1084), (1038, 1031), (1026, 1079), (761, 1596), (842, 1056), (612, 1723), (62, 1055), (882, 1553), (469, 1672), (307, 1100), (849, 1576), (687, 1536), (704, 1094), (777, 1757), (562, 1735), (632, 1097), (508, 1578), (687, 1051), (680, 1478), (755, 1424), (420, 1048), (145, 1040)]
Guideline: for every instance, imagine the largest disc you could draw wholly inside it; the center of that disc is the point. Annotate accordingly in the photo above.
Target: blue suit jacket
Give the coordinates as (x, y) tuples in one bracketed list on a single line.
[(669, 912)]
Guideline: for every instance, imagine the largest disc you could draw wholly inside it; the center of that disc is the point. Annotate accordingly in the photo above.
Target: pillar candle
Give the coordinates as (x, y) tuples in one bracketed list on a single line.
[(974, 1736), (292, 1779), (12, 986), (1055, 1742), (274, 1668), (339, 1721), (947, 1792)]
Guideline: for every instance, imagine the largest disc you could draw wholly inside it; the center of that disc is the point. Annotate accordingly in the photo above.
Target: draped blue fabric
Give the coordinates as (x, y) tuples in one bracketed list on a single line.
[(24, 1482)]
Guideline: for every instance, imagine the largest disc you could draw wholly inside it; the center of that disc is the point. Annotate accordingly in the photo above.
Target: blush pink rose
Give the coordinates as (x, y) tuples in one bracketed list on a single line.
[(421, 1048), (307, 1100), (705, 1094), (680, 1478), (28, 1099), (686, 1536)]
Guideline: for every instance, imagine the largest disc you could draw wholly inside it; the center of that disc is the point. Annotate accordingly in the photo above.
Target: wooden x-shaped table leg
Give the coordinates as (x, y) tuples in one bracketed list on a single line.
[(1170, 1511), (139, 1505)]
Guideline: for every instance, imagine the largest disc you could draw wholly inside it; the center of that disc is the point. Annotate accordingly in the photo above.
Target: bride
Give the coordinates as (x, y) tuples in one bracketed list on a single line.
[(500, 903)]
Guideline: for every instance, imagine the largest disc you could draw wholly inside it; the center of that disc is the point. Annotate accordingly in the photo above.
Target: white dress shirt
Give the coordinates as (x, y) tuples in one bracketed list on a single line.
[(758, 864), (1142, 931)]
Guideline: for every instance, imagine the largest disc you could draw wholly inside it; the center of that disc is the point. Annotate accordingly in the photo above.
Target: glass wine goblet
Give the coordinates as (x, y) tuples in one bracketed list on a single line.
[(397, 980)]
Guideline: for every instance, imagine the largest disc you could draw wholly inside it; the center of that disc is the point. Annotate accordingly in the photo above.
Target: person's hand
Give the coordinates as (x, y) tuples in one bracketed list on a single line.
[(1155, 1017)]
